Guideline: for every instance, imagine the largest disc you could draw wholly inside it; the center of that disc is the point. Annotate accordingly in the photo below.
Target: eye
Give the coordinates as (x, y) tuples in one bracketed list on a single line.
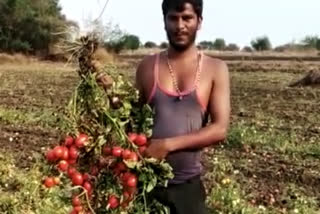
[(172, 17), (187, 17)]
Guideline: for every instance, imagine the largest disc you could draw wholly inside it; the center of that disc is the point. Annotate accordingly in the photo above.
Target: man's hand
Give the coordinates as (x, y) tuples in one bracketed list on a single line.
[(157, 149)]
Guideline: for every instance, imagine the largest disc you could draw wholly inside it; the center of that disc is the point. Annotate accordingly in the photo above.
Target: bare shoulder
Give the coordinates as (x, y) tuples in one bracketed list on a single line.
[(215, 66), (144, 74), (146, 64), (145, 68)]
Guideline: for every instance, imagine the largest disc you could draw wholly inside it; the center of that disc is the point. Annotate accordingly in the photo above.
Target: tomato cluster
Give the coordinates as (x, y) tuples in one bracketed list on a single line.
[(129, 180), (65, 156)]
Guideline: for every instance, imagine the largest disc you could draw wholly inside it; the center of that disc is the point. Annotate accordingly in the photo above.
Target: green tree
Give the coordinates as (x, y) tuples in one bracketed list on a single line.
[(30, 25), (150, 44), (131, 42), (318, 44), (164, 45), (206, 45), (232, 47), (219, 44), (261, 44), (311, 42), (247, 49)]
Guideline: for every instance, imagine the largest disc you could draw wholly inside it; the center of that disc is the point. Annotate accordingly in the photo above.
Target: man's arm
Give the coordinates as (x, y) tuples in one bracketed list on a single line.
[(139, 85), (143, 77), (219, 109)]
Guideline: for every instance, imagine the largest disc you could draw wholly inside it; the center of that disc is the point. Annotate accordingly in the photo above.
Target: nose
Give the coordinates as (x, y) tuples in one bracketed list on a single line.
[(180, 24)]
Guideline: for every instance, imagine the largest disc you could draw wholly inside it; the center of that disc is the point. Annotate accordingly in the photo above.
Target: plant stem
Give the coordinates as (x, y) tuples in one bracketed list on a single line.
[(122, 133), (84, 193), (144, 199)]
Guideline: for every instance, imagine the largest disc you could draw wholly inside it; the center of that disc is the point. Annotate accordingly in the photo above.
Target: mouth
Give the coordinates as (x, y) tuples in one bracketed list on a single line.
[(180, 35)]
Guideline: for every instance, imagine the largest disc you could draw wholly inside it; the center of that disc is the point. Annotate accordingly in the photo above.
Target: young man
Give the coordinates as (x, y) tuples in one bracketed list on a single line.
[(184, 86)]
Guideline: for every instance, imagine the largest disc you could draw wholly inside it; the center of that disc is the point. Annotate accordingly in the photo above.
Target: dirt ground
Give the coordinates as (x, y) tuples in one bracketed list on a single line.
[(260, 98)]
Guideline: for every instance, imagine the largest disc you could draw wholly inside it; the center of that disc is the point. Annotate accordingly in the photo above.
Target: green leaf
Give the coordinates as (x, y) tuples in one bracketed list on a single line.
[(151, 184)]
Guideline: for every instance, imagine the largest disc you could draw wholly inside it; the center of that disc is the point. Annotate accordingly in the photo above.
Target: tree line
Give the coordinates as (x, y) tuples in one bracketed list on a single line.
[(35, 26), (261, 43), (30, 26)]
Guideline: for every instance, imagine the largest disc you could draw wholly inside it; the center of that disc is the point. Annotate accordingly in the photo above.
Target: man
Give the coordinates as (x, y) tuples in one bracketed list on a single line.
[(184, 86)]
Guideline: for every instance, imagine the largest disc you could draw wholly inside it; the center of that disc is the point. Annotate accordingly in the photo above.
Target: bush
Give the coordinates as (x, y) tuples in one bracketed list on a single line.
[(247, 49), (114, 46), (318, 44), (261, 44), (311, 42), (31, 26), (232, 47), (20, 46), (131, 42), (219, 44), (206, 45), (150, 44), (164, 45)]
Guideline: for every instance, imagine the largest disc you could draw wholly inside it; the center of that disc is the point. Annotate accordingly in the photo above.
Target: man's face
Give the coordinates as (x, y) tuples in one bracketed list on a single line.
[(182, 27)]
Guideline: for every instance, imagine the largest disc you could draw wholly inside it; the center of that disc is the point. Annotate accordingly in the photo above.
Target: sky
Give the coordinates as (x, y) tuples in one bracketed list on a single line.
[(239, 22)]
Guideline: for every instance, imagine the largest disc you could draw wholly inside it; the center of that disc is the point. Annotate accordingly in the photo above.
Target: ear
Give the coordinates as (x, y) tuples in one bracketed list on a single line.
[(199, 23), (164, 23)]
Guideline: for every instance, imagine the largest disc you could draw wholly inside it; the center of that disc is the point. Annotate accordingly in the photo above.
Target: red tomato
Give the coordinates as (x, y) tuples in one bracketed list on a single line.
[(132, 181), (113, 202), (68, 141), (77, 179), (116, 171), (121, 166), (142, 149), (87, 186), (141, 140), (103, 162), (132, 136), (78, 208), (117, 151), (56, 180), (107, 150), (126, 195), (71, 171), (133, 157), (49, 182), (76, 201), (63, 165), (58, 151), (51, 156), (72, 161), (65, 153), (94, 171), (82, 140), (126, 154), (124, 204), (131, 190), (86, 176), (73, 211), (73, 152), (125, 176)]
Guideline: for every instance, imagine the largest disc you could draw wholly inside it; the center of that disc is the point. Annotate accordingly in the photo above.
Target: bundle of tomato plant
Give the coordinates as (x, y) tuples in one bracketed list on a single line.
[(100, 159)]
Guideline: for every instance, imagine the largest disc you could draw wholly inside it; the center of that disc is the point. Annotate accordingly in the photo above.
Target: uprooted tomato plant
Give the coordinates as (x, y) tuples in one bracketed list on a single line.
[(100, 161)]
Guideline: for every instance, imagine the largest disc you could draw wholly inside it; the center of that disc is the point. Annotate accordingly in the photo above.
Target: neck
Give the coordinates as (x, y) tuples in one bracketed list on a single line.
[(188, 53)]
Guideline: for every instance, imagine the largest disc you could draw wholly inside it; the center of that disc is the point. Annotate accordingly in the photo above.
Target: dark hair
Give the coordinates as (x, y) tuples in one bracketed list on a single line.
[(178, 5)]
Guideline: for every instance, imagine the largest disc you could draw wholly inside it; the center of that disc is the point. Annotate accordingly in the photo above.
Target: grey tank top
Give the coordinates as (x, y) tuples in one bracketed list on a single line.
[(174, 117)]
